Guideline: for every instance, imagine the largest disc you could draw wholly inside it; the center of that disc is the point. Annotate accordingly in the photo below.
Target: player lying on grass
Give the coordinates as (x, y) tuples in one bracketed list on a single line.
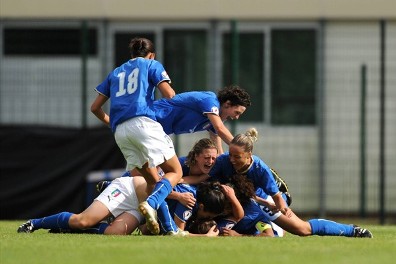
[(196, 165), (121, 200), (240, 160)]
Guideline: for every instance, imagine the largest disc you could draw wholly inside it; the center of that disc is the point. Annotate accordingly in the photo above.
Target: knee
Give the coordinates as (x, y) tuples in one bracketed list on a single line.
[(304, 230), (79, 222)]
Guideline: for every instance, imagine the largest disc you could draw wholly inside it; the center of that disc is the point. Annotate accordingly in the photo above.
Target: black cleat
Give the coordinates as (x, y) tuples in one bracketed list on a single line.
[(26, 227), (100, 186), (361, 232), (282, 186)]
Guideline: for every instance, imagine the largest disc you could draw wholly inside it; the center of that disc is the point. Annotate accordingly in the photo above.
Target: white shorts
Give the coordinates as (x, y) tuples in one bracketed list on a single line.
[(120, 197), (278, 231), (142, 140)]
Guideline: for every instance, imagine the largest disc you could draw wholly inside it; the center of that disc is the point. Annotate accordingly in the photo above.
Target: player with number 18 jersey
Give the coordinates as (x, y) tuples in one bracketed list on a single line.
[(131, 92)]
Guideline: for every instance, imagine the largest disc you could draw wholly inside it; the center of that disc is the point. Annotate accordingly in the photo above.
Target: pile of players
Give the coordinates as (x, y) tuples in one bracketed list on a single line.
[(206, 193)]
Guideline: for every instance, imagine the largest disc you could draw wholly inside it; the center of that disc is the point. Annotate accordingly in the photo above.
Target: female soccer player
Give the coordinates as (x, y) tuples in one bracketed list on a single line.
[(198, 111), (121, 199), (240, 160), (139, 136)]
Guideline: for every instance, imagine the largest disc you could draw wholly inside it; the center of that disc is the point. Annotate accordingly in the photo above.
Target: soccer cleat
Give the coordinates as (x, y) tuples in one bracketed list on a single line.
[(26, 227), (151, 217), (178, 233), (100, 186), (361, 232), (282, 186)]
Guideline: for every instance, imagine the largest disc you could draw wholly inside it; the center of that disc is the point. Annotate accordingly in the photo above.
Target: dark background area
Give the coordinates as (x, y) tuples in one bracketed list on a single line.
[(43, 169)]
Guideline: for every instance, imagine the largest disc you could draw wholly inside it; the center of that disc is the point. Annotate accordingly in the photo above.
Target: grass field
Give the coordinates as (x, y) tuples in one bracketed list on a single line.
[(42, 247)]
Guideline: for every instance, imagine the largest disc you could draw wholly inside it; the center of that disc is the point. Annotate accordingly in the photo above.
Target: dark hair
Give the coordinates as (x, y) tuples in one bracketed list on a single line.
[(243, 187), (201, 226), (140, 47), (197, 149), (210, 194), (235, 94)]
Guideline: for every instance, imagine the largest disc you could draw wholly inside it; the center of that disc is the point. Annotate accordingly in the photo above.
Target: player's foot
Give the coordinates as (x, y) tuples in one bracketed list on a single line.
[(282, 186), (361, 232), (26, 227), (100, 186), (151, 217), (178, 233)]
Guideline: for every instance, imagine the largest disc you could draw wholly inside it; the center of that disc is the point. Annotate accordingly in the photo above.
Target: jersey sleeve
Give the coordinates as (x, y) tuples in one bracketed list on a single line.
[(210, 104), (157, 73), (104, 87), (264, 179)]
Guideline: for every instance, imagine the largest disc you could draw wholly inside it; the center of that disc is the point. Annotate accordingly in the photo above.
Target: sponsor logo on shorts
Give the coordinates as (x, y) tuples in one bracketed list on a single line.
[(115, 193)]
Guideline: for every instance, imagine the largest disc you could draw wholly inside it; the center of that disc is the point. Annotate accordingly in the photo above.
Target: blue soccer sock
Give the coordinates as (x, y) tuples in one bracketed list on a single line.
[(60, 220), (161, 190), (165, 218), (96, 229), (323, 227)]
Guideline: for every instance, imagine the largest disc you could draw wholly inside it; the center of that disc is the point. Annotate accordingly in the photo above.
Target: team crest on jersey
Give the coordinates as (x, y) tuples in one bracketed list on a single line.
[(115, 193), (215, 110), (165, 75), (187, 214), (229, 225)]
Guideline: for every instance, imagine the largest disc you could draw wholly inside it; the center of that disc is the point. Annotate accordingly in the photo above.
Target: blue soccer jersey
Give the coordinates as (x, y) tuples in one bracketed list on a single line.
[(253, 220), (179, 210), (130, 88), (251, 224), (187, 112), (259, 173)]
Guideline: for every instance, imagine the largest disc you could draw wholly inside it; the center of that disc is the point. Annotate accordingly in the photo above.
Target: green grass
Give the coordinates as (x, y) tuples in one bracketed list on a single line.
[(42, 247)]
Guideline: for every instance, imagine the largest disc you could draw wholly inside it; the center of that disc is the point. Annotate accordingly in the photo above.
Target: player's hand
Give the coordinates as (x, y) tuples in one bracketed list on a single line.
[(228, 191), (213, 231), (230, 232), (286, 211), (187, 199)]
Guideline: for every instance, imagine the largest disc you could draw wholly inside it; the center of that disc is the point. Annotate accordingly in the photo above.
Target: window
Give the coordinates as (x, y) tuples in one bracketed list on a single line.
[(293, 77), (250, 70), (185, 59), (47, 41)]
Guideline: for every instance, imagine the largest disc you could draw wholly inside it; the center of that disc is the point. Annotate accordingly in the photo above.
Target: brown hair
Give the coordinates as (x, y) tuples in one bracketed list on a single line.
[(199, 146), (140, 47), (201, 226)]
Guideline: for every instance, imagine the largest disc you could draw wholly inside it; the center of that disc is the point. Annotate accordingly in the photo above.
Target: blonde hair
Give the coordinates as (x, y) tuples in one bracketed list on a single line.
[(246, 140)]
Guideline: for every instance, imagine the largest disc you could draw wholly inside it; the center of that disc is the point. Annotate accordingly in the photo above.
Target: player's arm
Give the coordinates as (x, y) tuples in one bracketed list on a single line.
[(237, 209), (281, 204), (217, 140), (166, 90), (96, 109), (221, 129), (264, 202), (187, 199)]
